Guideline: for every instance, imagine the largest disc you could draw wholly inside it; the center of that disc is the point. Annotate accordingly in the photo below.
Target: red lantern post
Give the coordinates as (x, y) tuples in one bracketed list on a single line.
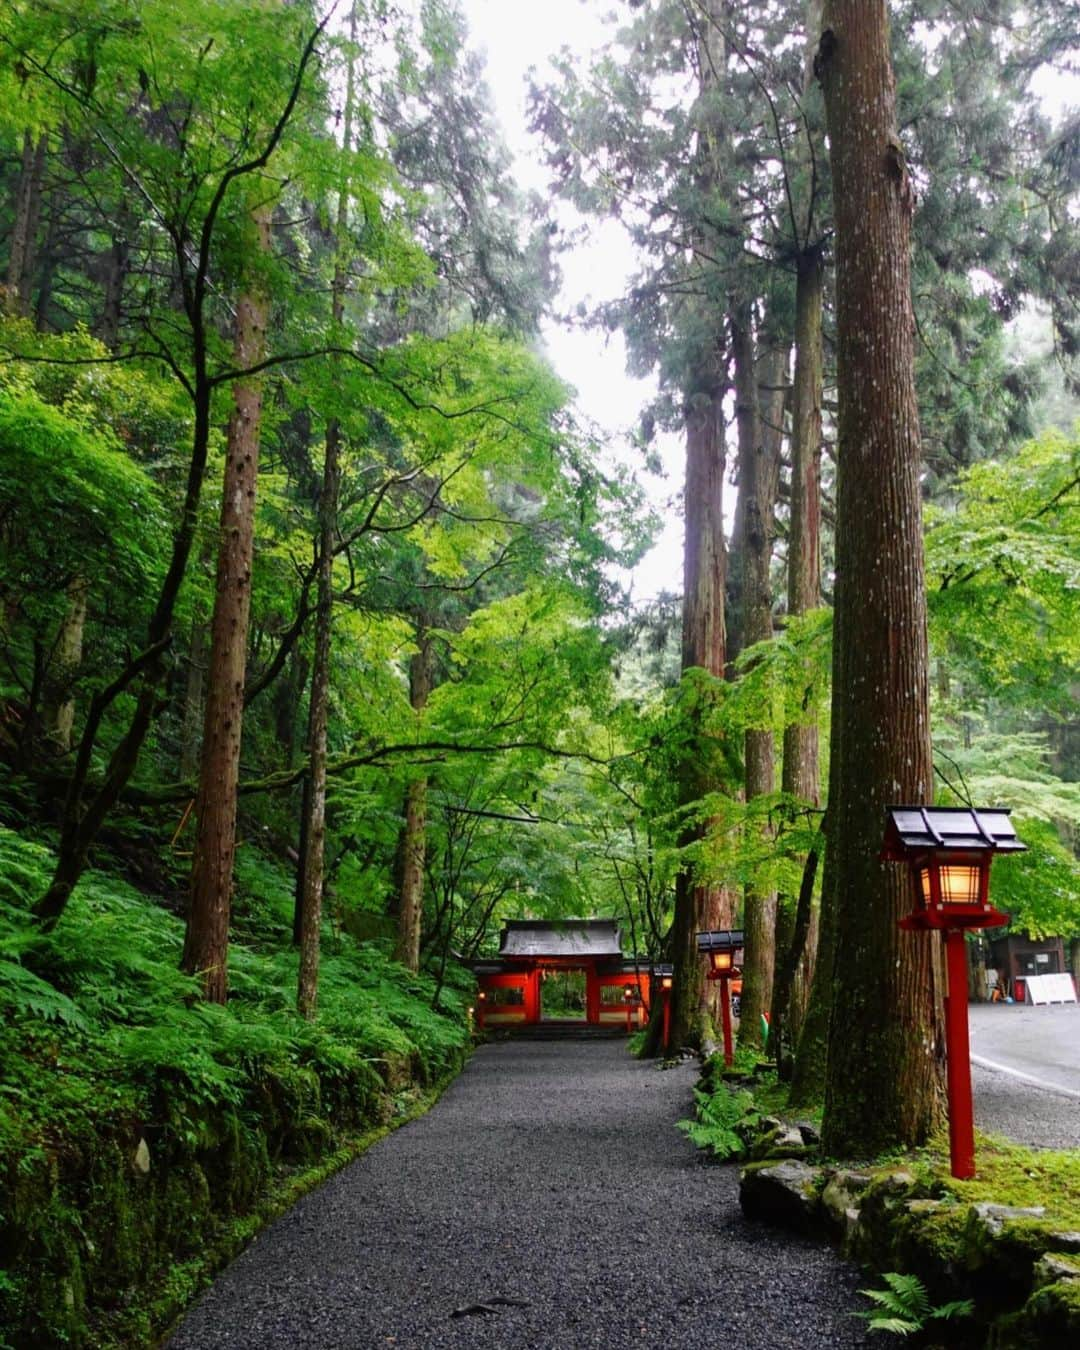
[(949, 850), (725, 951)]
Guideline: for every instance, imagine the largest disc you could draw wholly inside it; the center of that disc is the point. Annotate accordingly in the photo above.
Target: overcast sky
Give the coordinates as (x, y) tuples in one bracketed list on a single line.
[(515, 37)]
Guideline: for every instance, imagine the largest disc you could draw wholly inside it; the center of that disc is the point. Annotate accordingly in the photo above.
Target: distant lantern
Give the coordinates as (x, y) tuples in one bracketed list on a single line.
[(724, 948), (949, 850), (663, 977)]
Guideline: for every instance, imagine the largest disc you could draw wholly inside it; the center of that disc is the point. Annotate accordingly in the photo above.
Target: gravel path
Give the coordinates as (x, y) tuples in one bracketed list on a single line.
[(1025, 1072), (549, 1175)]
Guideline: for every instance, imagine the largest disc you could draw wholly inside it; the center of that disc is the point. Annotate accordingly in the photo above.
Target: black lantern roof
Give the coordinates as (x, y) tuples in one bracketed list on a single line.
[(966, 829), (720, 940)]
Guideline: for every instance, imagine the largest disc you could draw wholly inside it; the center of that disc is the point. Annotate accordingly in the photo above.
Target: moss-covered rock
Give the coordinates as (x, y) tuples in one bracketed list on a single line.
[(784, 1193)]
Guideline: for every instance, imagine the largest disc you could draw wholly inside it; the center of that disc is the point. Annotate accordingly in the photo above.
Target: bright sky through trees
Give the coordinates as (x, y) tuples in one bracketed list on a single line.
[(514, 39)]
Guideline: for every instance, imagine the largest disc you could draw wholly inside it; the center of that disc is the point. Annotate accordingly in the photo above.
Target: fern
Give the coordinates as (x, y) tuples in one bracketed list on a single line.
[(903, 1307), (721, 1116), (23, 993)]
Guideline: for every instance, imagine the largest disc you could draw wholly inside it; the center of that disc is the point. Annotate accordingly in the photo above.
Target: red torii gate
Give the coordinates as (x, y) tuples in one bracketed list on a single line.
[(509, 985)]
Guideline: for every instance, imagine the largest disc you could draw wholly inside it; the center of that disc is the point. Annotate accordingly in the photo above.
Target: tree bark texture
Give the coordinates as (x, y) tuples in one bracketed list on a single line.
[(800, 777), (315, 797), (704, 559), (758, 415), (20, 274), (206, 941), (414, 835), (58, 712), (115, 265), (884, 1081)]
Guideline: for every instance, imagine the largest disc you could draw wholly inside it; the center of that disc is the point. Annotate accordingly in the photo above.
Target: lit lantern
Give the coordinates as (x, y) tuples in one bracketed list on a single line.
[(949, 850), (724, 947), (663, 977)]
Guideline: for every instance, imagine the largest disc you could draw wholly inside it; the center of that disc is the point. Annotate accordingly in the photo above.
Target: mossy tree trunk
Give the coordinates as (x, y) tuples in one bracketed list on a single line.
[(884, 1081)]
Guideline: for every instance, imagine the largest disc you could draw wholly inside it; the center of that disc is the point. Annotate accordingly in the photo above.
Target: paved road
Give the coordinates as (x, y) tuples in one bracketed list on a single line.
[(1026, 1072), (550, 1175)]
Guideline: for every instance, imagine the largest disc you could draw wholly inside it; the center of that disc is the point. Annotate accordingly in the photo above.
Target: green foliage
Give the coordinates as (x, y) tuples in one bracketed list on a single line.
[(1003, 570), (904, 1307), (722, 1119), (131, 1020)]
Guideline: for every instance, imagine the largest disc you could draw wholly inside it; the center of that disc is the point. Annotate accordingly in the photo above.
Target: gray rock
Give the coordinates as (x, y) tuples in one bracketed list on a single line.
[(991, 1218), (1053, 1267), (783, 1193), (840, 1202), (1065, 1242), (811, 1135), (898, 1182)]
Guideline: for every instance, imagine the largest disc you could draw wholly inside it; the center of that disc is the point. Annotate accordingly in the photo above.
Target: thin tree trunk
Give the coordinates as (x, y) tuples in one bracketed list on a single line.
[(206, 941), (414, 838), (759, 453), (20, 273), (315, 796), (313, 843), (884, 1078), (194, 690), (116, 264), (800, 777), (47, 269), (58, 713)]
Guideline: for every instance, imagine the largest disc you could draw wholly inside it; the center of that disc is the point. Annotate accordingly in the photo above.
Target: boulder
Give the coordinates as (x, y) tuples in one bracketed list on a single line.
[(1054, 1266), (783, 1141), (1003, 1242), (840, 1202), (783, 1193)]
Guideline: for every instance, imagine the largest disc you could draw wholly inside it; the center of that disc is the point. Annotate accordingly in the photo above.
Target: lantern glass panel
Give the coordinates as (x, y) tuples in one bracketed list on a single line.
[(924, 884), (960, 883), (722, 960)]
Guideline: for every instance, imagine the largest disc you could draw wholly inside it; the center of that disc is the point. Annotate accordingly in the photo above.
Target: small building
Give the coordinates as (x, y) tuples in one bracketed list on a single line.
[(1017, 956), (510, 985)]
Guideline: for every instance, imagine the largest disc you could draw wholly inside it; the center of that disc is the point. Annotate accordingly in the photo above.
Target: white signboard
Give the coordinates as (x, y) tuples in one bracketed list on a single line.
[(1050, 989)]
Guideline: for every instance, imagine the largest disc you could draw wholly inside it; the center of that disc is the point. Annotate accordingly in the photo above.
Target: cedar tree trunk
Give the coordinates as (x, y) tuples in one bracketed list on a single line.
[(759, 448), (800, 777), (414, 836), (20, 275), (884, 1076), (207, 939)]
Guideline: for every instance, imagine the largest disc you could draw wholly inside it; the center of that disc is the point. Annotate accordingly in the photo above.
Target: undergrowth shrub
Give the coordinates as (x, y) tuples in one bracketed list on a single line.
[(137, 1122), (723, 1122)]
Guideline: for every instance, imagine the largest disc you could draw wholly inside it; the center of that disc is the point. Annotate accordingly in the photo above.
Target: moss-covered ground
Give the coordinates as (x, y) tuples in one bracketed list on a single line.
[(145, 1136)]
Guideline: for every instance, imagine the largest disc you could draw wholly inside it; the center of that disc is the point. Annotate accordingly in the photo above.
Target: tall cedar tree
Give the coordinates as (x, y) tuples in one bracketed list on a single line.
[(207, 938), (797, 927), (884, 1073), (704, 563)]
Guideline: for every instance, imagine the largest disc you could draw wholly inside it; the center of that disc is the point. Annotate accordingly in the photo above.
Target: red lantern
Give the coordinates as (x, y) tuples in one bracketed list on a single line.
[(949, 851), (724, 947)]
